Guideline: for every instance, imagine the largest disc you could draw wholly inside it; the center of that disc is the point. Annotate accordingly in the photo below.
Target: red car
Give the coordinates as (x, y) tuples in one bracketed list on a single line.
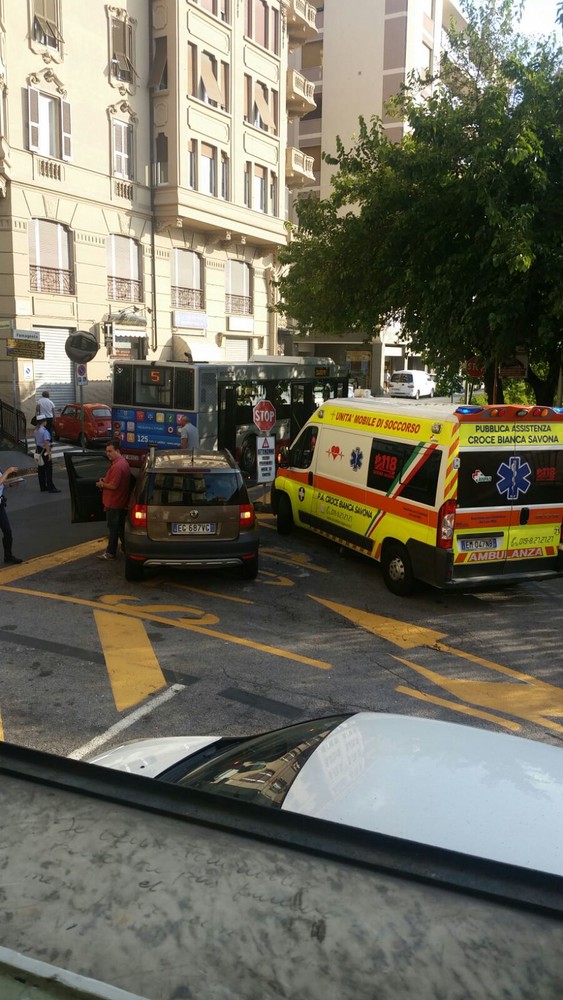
[(97, 423)]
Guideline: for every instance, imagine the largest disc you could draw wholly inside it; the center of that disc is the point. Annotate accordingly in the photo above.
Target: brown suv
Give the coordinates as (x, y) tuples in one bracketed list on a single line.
[(190, 511)]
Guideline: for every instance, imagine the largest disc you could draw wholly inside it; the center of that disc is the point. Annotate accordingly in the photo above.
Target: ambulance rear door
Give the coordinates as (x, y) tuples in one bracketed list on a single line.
[(510, 507)]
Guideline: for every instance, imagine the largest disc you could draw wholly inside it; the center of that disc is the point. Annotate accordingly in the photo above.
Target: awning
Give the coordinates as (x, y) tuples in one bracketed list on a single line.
[(206, 351), (127, 332), (263, 107), (210, 83)]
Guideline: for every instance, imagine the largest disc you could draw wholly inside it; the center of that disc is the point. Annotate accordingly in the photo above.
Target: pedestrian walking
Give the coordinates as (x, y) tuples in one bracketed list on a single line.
[(43, 457), (189, 434), (46, 408), (115, 487), (5, 528)]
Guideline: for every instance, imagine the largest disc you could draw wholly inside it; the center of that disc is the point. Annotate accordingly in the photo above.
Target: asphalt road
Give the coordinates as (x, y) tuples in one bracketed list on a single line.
[(89, 660)]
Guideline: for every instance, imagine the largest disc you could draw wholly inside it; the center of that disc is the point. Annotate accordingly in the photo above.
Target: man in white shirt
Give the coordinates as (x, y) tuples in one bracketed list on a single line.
[(46, 408), (189, 435)]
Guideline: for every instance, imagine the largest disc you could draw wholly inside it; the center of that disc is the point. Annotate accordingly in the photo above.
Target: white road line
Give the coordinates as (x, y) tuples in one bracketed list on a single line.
[(99, 741)]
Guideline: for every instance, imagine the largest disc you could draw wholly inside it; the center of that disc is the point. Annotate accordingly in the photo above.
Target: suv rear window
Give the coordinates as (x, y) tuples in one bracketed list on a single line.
[(402, 377), (198, 488)]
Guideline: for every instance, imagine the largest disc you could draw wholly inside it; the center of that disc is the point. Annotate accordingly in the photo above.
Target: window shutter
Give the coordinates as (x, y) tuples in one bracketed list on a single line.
[(238, 278), (159, 62), (49, 245), (123, 257), (65, 131), (33, 118), (186, 269), (209, 79), (263, 106)]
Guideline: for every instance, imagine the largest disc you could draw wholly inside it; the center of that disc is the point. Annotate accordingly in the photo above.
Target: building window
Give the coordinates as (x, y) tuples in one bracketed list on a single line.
[(238, 288), (208, 78), (316, 112), (220, 8), (122, 56), (49, 125), (262, 24), (247, 188), (50, 258), (192, 164), (161, 158), (273, 194), (208, 169), (158, 78), (46, 24), (312, 55), (224, 188), (124, 269), (186, 279), (259, 200), (265, 108), (122, 136)]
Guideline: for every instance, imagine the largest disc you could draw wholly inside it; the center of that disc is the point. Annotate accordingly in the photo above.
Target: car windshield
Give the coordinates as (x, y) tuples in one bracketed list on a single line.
[(262, 769), (195, 489)]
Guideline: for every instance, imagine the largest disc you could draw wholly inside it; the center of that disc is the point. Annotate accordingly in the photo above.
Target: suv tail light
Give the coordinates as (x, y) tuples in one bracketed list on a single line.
[(138, 515), (247, 517), (446, 525)]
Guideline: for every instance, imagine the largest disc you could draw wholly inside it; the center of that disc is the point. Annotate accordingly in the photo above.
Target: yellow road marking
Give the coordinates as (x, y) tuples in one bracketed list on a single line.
[(42, 563), (530, 699), (203, 618), (464, 709), (402, 634), (155, 580), (133, 669), (188, 626), (298, 560)]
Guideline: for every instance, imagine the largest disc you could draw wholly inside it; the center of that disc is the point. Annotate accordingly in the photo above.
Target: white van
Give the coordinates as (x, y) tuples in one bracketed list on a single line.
[(412, 383)]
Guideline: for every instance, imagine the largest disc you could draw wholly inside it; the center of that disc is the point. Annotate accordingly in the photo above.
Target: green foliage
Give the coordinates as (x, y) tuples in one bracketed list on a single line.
[(455, 232)]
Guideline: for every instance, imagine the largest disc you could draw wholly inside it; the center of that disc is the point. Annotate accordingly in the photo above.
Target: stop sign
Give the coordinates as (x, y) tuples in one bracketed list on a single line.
[(264, 415), (474, 368)]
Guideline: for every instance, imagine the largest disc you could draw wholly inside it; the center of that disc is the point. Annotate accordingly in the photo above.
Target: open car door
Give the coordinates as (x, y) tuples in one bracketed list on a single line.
[(83, 472)]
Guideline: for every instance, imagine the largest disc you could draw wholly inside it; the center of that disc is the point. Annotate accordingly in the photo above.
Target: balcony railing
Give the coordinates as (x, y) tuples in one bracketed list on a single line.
[(238, 305), (51, 279), (124, 289), (301, 22), (124, 189), (186, 298), (300, 94), (298, 168)]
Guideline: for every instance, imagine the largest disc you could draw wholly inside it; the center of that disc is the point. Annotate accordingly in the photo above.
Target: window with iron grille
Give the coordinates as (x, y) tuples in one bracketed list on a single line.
[(50, 257), (124, 269), (186, 272), (238, 288)]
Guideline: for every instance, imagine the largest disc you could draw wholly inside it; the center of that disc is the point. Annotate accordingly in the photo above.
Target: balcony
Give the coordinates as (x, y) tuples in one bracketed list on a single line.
[(53, 280), (238, 305), (186, 298), (301, 22), (124, 289), (298, 168), (300, 95)]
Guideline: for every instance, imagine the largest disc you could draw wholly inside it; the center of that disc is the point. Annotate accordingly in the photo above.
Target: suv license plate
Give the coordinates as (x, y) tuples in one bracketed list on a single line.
[(477, 544), (193, 529)]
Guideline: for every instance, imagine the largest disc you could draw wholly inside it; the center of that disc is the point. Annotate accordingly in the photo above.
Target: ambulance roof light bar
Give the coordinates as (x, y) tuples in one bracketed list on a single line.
[(469, 409)]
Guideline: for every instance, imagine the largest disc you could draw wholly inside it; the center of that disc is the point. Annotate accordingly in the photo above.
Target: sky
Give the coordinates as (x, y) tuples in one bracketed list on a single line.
[(539, 18)]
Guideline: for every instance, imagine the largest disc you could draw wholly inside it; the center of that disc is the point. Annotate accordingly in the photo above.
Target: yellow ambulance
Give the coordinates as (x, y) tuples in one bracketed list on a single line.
[(449, 495)]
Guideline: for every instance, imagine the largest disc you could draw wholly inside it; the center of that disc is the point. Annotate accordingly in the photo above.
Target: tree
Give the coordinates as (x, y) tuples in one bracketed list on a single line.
[(455, 232)]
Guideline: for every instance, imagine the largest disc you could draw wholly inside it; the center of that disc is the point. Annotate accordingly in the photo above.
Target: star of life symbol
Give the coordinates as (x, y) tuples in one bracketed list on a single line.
[(301, 494), (514, 478), (356, 459)]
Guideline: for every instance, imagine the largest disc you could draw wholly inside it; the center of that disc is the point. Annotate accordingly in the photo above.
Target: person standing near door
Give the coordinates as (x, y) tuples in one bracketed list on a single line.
[(5, 528), (43, 457), (115, 487), (46, 408)]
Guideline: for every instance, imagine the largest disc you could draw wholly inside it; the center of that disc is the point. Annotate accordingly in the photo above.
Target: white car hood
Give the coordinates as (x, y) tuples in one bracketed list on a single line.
[(152, 757), (488, 794)]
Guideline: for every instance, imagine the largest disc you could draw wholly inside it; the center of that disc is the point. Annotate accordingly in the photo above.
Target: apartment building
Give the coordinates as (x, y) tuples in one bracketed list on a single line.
[(362, 53), (144, 175)]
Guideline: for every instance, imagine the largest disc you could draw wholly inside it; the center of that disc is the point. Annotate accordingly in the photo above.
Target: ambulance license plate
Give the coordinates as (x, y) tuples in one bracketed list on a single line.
[(193, 529), (477, 544)]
